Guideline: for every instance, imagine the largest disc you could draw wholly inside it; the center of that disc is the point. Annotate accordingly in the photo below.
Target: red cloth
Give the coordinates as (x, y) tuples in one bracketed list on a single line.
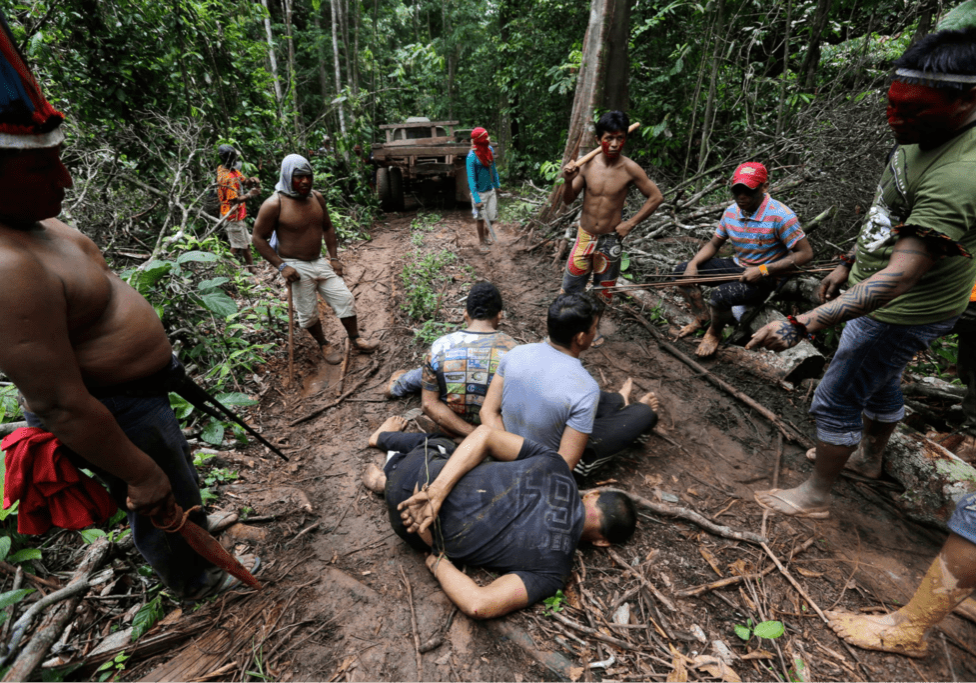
[(51, 490), (481, 149)]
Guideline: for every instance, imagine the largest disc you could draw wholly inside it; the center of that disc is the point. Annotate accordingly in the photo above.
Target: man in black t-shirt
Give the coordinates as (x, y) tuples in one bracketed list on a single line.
[(521, 514)]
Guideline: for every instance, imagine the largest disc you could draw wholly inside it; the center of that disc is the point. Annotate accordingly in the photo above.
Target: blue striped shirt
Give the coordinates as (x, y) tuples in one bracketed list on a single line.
[(480, 177), (763, 237)]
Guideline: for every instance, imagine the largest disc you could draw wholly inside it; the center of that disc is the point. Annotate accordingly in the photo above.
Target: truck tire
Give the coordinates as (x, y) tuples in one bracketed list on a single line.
[(396, 189), (383, 188)]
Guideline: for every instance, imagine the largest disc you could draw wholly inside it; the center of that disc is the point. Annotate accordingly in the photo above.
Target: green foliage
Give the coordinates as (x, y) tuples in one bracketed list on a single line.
[(112, 667), (554, 603), (9, 598), (211, 476), (765, 629), (147, 616), (430, 331), (420, 278), (936, 361)]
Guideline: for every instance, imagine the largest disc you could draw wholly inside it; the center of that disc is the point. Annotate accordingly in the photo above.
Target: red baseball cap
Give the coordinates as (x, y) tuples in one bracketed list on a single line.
[(752, 174)]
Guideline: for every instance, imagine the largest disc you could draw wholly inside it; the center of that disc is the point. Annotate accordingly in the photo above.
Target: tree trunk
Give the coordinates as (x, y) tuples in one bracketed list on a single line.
[(591, 86), (808, 70), (271, 53), (616, 94), (338, 75), (706, 130), (323, 76), (292, 76), (786, 69), (354, 76), (924, 25)]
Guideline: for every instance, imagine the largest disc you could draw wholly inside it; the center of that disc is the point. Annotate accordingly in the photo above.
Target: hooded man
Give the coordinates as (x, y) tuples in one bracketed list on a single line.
[(601, 230), (230, 192), (482, 181), (298, 215), (87, 352)]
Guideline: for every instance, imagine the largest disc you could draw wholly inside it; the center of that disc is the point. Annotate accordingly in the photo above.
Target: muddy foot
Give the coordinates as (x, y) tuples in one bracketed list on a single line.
[(709, 345), (791, 502), (374, 479), (625, 389), (690, 329), (859, 463), (878, 632), (651, 399), (393, 378), (392, 424)]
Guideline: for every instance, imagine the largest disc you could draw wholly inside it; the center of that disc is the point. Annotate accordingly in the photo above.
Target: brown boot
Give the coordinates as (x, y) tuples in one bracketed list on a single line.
[(363, 346), (332, 356)]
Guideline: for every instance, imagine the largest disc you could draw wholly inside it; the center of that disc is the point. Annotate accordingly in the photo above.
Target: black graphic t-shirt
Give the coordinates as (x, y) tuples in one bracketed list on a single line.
[(523, 517)]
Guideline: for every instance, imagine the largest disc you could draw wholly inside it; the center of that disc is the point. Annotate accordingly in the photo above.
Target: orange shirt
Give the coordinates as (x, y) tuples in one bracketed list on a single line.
[(229, 187), (972, 295)]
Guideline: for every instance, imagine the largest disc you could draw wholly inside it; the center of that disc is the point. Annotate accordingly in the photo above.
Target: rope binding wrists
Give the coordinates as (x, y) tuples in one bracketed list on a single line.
[(847, 260), (799, 326)]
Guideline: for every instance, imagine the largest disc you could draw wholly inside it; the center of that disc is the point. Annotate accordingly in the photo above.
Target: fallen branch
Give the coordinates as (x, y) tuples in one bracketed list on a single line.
[(640, 577), (692, 516), (318, 411), (794, 582), (732, 580), (8, 568), (55, 622), (413, 623), (592, 632), (721, 384)]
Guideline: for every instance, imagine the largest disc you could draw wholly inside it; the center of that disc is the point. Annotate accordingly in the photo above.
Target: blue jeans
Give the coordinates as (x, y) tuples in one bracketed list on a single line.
[(963, 520), (149, 423), (408, 383), (865, 376)]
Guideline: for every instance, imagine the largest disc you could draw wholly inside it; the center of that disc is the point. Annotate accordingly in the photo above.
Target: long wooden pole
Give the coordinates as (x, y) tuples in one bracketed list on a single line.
[(291, 336)]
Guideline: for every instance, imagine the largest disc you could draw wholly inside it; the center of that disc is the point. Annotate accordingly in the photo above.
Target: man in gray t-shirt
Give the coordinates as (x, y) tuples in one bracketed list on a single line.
[(543, 393)]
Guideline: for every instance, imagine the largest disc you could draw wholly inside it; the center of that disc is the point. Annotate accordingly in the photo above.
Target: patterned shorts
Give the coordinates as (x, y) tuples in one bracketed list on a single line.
[(596, 254)]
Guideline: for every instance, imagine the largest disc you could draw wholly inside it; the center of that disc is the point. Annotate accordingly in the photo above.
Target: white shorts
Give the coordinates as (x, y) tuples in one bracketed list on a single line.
[(317, 277), (238, 234), (490, 208)]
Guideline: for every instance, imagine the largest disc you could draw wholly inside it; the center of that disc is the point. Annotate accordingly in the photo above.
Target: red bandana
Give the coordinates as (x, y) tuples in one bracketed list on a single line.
[(481, 149)]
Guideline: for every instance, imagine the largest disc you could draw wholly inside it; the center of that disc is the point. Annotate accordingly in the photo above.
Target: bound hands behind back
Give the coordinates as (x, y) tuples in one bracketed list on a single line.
[(420, 510)]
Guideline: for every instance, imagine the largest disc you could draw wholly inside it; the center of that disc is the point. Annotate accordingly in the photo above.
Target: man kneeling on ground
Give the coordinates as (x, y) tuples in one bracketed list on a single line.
[(521, 515), (298, 215), (768, 243), (460, 366), (543, 393)]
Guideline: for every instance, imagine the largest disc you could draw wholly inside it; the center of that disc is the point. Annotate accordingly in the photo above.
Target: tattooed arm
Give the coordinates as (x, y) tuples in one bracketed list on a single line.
[(911, 258)]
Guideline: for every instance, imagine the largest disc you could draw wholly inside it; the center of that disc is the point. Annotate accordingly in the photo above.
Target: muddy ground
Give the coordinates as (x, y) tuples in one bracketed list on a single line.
[(352, 584)]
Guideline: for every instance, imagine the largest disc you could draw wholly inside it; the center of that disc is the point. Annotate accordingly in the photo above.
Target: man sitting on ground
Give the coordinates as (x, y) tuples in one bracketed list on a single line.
[(521, 515), (299, 216), (543, 393), (600, 232), (768, 243), (459, 367)]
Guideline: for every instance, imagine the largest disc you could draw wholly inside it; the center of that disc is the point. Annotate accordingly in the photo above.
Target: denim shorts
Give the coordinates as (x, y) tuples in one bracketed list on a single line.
[(865, 376), (963, 520)]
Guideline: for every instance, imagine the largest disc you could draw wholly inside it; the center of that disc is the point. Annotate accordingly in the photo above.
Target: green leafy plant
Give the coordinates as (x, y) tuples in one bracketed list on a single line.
[(764, 629), (113, 667), (9, 598), (420, 277), (211, 476), (554, 603), (146, 617)]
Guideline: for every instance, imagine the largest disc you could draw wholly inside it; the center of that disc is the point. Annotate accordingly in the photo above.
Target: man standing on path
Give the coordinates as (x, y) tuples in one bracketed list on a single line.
[(909, 275), (543, 393), (763, 232), (459, 367), (601, 228), (230, 192), (88, 354), (483, 181), (299, 216), (520, 515)]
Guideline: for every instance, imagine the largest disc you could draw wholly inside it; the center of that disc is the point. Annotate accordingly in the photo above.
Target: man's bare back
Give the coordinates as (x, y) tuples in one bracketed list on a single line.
[(113, 333), (300, 224)]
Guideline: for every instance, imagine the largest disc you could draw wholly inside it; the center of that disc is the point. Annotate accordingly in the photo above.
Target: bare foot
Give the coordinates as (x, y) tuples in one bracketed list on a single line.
[(393, 378), (859, 463), (625, 389), (793, 502), (392, 424), (883, 632), (651, 399), (691, 328), (709, 345), (374, 479)]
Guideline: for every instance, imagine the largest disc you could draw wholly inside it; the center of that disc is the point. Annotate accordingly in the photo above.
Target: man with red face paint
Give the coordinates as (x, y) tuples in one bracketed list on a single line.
[(299, 216), (601, 228), (908, 278)]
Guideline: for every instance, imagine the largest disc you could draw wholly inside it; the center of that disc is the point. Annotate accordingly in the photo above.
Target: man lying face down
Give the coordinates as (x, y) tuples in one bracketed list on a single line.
[(521, 515)]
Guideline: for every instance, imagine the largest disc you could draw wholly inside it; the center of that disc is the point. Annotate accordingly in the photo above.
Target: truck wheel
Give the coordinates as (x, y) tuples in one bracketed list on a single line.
[(396, 189), (383, 188)]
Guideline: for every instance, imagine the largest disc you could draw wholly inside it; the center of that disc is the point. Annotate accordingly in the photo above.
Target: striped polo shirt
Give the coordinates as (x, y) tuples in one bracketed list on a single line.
[(764, 237)]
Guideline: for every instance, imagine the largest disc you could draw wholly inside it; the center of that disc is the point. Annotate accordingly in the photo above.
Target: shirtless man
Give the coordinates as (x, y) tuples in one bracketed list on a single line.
[(606, 179), (77, 342), (301, 219)]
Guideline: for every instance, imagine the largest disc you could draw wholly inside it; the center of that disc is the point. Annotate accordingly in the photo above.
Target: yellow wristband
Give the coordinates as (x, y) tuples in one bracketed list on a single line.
[(764, 269)]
